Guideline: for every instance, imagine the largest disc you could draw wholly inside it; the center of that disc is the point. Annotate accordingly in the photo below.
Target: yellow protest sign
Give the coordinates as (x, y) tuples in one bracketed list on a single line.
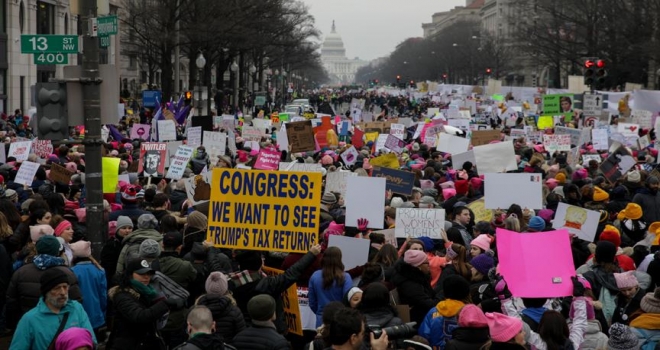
[(386, 160), (290, 303), (478, 207), (545, 122), (264, 210), (370, 136), (110, 174)]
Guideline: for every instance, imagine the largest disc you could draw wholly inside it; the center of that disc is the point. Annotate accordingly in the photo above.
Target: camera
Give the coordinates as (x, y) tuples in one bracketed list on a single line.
[(394, 332)]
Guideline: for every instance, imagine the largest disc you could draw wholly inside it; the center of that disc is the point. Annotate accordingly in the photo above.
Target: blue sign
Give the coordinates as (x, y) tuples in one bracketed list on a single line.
[(398, 181), (151, 98)]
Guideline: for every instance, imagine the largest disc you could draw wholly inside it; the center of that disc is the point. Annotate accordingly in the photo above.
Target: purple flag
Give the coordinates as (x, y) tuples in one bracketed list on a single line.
[(115, 133)]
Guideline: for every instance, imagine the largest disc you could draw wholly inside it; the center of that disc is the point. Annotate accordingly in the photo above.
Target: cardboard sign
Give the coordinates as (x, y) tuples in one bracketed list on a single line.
[(152, 159), (194, 136), (300, 136), (502, 190), (20, 150), (140, 131), (524, 263), (268, 159), (290, 303), (179, 163), (398, 181), (554, 143), (25, 174), (418, 222), (336, 181), (166, 130), (264, 210), (60, 174), (365, 198), (576, 220), (483, 137)]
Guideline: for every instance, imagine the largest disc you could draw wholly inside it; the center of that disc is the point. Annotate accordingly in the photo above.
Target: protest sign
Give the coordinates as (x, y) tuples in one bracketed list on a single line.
[(215, 144), (389, 160), (349, 156), (452, 144), (398, 181), (617, 164), (390, 236), (357, 138), (110, 166), (228, 122), (576, 220), (502, 190), (172, 146), (20, 150), (578, 136), (354, 251), (380, 142), (365, 198), (643, 142), (140, 131), (336, 181), (395, 144), (166, 130), (628, 129), (599, 139), (250, 133), (398, 130), (262, 124), (554, 143), (205, 121), (292, 316), (495, 157), (300, 136), (300, 167), (457, 160), (264, 210), (198, 188), (524, 263), (558, 104), (25, 174), (268, 159), (61, 174), (418, 130), (478, 207), (194, 136), (42, 148), (179, 163), (586, 158), (483, 137), (152, 159), (418, 222)]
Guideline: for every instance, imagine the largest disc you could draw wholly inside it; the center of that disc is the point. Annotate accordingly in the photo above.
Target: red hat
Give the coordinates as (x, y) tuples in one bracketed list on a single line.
[(611, 234), (462, 186)]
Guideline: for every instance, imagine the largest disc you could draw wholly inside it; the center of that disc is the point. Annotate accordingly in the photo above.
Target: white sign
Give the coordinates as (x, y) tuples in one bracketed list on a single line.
[(599, 139), (592, 105), (215, 144), (42, 148), (166, 130), (452, 144), (457, 160), (495, 157), (336, 181), (586, 158), (398, 130), (502, 190), (416, 222), (195, 136), (302, 167), (365, 198), (172, 146), (380, 143), (20, 150), (354, 251), (579, 221), (179, 163), (349, 156), (26, 173)]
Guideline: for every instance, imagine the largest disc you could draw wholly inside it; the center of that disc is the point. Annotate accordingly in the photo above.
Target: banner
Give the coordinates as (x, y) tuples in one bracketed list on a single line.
[(140, 131), (110, 166), (554, 143), (398, 181), (268, 159), (417, 222), (524, 263), (25, 174), (292, 315), (265, 210), (152, 159), (179, 163), (20, 150)]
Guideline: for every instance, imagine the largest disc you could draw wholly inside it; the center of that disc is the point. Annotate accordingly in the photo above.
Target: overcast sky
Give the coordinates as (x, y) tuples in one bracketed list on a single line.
[(373, 28)]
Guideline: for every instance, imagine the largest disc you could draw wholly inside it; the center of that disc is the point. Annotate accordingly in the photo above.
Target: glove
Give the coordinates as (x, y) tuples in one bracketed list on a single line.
[(578, 287), (362, 224), (501, 288), (175, 303)]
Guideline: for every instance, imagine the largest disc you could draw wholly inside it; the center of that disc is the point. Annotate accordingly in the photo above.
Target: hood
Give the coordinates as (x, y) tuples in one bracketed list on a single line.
[(112, 292), (141, 234), (379, 317), (218, 304), (407, 272), (207, 341), (449, 307), (593, 327)]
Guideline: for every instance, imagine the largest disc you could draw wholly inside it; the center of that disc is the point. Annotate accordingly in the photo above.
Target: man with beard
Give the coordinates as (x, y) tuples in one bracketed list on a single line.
[(649, 199), (39, 327)]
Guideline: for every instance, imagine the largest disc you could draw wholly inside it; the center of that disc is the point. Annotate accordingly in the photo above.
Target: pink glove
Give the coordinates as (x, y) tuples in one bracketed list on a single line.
[(362, 224)]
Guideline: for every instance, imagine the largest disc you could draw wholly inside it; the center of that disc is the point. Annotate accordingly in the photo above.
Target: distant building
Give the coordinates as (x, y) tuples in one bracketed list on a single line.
[(333, 54)]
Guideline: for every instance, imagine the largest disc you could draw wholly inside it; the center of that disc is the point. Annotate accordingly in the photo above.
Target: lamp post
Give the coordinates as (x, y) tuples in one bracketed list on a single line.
[(234, 69), (284, 89), (200, 62), (253, 70)]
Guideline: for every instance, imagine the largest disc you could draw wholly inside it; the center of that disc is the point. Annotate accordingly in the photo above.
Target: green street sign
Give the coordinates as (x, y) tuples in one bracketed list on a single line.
[(51, 58), (49, 43), (107, 25), (104, 40)]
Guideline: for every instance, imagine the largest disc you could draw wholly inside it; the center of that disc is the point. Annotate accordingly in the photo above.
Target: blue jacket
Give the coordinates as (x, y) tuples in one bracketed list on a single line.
[(94, 289), (440, 322), (38, 326), (319, 297)]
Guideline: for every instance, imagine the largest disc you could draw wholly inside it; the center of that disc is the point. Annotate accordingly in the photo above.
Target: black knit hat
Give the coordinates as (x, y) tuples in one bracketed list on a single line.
[(456, 287), (51, 278), (605, 252)]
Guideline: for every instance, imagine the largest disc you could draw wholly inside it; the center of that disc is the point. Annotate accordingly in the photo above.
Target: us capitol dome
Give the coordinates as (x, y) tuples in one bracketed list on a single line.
[(333, 54)]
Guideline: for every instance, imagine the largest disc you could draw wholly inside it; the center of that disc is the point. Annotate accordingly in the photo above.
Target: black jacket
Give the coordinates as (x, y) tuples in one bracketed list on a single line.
[(203, 342), (177, 198), (468, 339), (415, 290), (260, 337), (109, 258), (506, 346), (228, 318), (383, 317), (623, 311)]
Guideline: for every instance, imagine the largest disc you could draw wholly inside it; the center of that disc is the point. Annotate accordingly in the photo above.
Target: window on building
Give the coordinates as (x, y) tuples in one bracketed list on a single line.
[(45, 18), (66, 23), (22, 93), (21, 16), (132, 62)]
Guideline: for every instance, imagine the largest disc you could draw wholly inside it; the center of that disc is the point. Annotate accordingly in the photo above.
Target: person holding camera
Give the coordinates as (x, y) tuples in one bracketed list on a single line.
[(346, 332)]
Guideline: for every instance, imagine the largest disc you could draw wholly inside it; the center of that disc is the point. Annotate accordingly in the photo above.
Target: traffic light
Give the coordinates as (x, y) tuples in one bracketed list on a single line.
[(375, 81), (535, 80), (589, 71), (187, 98), (52, 111), (444, 77), (601, 73), (398, 79), (488, 71)]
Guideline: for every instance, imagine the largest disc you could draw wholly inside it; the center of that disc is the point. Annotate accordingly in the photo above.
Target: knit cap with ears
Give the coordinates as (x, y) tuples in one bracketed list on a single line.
[(81, 249), (626, 280), (503, 328), (216, 283), (471, 316)]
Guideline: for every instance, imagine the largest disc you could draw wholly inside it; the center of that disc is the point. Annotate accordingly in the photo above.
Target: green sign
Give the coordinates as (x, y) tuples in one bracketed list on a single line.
[(558, 104), (107, 25), (104, 40), (51, 58), (49, 43)]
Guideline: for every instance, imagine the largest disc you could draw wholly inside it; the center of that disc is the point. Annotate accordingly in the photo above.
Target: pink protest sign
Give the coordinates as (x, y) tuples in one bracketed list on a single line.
[(536, 265), (140, 131), (268, 159)]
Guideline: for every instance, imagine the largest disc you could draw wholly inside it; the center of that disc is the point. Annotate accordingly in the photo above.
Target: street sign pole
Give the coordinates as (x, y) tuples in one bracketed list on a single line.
[(93, 142)]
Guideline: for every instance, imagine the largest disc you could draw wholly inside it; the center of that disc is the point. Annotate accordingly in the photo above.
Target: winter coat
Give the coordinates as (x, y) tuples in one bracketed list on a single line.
[(183, 273), (228, 318), (319, 297), (382, 317), (38, 327), (134, 326), (24, 290), (440, 322), (414, 288), (109, 257), (177, 197), (624, 308), (260, 336), (647, 328), (203, 341), (650, 204), (594, 338), (271, 285), (131, 246), (94, 290), (459, 234), (464, 338)]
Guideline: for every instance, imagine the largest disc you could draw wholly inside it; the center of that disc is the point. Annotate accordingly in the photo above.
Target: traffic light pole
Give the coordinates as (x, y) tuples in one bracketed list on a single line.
[(93, 143)]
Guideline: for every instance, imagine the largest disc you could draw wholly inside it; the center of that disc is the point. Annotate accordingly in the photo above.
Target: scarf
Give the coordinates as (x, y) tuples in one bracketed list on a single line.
[(44, 261), (147, 292), (647, 321), (244, 277)]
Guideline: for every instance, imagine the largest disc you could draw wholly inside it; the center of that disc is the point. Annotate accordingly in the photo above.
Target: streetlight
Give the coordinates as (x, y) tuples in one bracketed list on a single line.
[(234, 69), (200, 62)]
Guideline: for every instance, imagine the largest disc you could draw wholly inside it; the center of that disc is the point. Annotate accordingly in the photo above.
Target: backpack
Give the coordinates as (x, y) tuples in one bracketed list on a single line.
[(169, 288)]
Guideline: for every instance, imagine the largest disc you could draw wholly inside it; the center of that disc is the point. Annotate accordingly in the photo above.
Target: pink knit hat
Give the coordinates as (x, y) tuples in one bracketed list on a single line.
[(448, 193), (471, 316), (476, 182), (426, 184), (74, 338), (38, 231), (626, 280), (81, 249), (447, 184), (551, 183), (503, 328), (482, 241), (415, 257)]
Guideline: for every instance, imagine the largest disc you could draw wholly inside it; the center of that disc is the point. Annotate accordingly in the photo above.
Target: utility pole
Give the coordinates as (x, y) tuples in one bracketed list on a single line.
[(93, 143), (177, 52)]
